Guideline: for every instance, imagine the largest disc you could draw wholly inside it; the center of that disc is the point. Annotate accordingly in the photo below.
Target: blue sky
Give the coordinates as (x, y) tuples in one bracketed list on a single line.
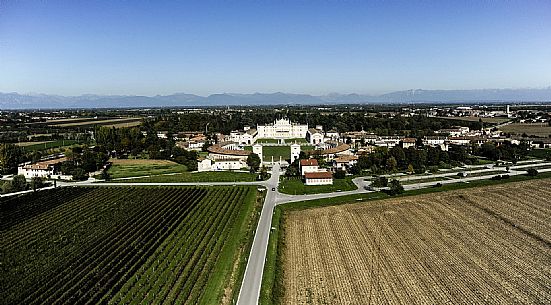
[(315, 47)]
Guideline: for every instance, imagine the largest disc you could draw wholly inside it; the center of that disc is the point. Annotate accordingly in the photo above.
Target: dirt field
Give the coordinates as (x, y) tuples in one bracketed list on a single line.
[(107, 122), (539, 129), (24, 144), (476, 119), (487, 245)]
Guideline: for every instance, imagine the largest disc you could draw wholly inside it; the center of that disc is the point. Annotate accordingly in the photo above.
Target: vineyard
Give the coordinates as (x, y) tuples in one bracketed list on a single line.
[(132, 245), (488, 245)]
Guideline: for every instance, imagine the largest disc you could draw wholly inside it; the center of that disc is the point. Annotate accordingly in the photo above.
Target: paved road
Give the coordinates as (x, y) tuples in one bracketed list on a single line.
[(250, 288)]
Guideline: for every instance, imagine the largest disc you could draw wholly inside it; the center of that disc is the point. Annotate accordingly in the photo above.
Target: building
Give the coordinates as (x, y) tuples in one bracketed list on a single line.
[(318, 178), (282, 129), (247, 136), (314, 136), (295, 152), (41, 169), (308, 166), (208, 165), (344, 162), (408, 142), (227, 151)]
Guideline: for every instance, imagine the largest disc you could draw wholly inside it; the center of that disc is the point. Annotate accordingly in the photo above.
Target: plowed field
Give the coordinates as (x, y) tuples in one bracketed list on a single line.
[(489, 245)]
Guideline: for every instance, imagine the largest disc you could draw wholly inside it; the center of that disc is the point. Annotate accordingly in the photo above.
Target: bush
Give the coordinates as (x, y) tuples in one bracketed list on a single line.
[(339, 174), (437, 185), (395, 188), (380, 182), (532, 172)]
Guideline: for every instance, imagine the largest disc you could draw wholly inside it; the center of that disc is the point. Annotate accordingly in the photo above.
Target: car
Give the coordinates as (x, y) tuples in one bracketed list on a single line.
[(273, 189)]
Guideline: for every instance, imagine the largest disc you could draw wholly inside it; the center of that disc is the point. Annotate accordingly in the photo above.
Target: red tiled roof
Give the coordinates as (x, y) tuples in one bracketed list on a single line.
[(318, 175), (308, 162)]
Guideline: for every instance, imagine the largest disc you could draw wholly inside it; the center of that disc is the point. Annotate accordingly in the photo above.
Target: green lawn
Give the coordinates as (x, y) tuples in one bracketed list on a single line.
[(272, 286), (297, 187), (145, 169), (221, 176)]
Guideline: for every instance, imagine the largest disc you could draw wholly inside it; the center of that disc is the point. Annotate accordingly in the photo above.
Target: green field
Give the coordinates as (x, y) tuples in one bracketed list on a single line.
[(138, 168), (297, 186), (48, 145), (126, 245), (222, 176)]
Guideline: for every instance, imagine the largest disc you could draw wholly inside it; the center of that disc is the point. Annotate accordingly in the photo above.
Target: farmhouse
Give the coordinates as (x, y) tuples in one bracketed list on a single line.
[(308, 166), (318, 178), (40, 169)]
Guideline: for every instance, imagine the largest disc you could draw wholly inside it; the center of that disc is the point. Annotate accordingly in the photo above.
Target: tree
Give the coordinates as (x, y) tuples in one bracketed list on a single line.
[(391, 164), (19, 183), (395, 187), (339, 174), (10, 156), (253, 161), (380, 182), (36, 183), (532, 172)]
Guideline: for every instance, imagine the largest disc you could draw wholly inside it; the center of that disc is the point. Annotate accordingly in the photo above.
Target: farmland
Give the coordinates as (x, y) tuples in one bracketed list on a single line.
[(120, 122), (536, 129), (476, 119), (126, 245), (479, 245), (124, 168), (221, 176)]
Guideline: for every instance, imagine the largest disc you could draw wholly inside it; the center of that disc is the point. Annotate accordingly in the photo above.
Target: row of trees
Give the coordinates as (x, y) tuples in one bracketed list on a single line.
[(226, 121)]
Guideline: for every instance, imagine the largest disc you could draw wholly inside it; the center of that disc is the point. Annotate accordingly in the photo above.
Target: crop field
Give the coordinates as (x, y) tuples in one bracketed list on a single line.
[(103, 122), (486, 245), (537, 129), (476, 119), (221, 176), (126, 245), (34, 146), (124, 168)]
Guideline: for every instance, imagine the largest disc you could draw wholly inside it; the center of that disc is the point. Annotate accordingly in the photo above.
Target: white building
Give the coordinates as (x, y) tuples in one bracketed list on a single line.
[(41, 169), (295, 152), (247, 136), (318, 178), (344, 162), (314, 136), (308, 166), (408, 142), (282, 129), (208, 165)]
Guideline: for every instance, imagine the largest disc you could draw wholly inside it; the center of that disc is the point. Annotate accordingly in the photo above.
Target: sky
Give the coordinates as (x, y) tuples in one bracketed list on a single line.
[(312, 47)]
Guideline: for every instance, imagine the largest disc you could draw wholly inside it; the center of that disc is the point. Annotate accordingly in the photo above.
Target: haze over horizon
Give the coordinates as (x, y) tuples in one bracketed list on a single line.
[(148, 48)]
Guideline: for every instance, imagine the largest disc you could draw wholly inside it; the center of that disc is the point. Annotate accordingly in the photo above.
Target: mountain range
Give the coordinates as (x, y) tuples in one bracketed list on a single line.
[(45, 101)]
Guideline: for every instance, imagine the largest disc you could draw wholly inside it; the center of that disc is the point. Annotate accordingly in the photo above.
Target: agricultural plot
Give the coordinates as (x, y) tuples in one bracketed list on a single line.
[(221, 176), (124, 168), (115, 245), (488, 245), (536, 129), (104, 122)]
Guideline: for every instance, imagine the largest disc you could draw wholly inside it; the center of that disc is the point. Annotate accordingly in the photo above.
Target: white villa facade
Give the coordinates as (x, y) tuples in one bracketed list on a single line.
[(282, 129)]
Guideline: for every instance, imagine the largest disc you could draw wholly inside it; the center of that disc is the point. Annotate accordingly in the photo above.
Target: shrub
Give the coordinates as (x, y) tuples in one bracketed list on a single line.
[(339, 174), (532, 172), (395, 188), (380, 182)]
